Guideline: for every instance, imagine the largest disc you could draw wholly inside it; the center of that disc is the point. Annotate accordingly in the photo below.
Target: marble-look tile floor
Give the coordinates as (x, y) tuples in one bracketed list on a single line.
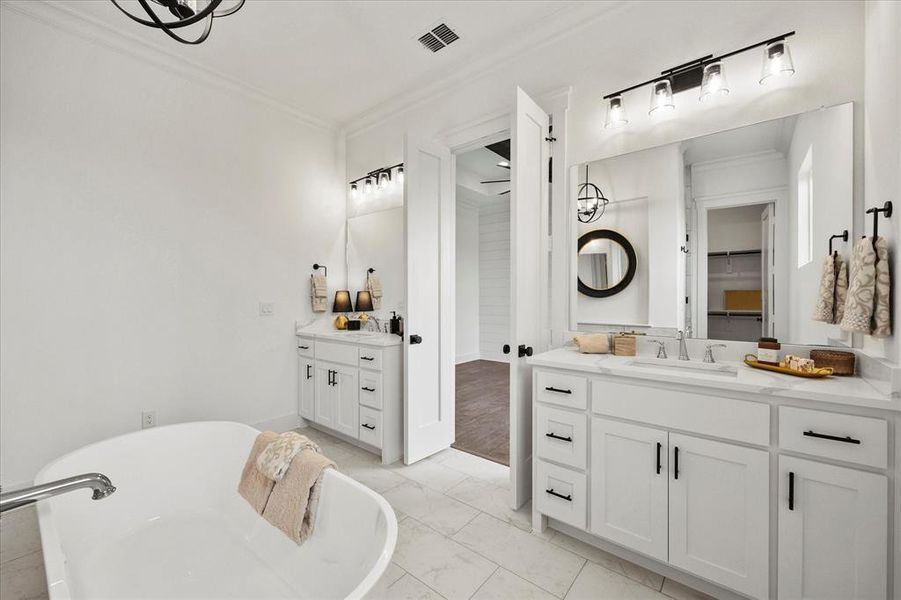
[(458, 539)]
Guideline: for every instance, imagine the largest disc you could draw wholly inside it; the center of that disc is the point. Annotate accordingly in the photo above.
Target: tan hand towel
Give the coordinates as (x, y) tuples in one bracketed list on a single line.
[(882, 313), (825, 304), (841, 288), (861, 288), (293, 502), (254, 486), (594, 343), (319, 293), (375, 291), (275, 459)]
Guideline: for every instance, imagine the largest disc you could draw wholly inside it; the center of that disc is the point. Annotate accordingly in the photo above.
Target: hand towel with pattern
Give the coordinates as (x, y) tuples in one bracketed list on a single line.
[(861, 288)]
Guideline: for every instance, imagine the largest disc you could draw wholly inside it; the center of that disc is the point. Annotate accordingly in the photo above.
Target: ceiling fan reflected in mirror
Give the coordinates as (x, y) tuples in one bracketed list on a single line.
[(502, 149), (186, 13)]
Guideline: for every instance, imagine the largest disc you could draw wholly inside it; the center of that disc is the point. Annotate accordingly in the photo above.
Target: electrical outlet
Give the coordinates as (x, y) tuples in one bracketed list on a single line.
[(148, 419), (267, 309)]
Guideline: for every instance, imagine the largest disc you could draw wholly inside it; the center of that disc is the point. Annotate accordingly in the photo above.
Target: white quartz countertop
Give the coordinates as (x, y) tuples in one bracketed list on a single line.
[(853, 391), (366, 338)]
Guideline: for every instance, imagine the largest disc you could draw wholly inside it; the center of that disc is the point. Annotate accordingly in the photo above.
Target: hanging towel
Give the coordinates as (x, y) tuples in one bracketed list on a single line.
[(254, 486), (882, 313), (375, 291), (319, 293), (861, 288), (825, 304), (293, 501), (275, 459), (841, 288)]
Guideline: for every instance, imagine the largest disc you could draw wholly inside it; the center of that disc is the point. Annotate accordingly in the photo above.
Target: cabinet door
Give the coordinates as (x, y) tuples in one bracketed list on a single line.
[(629, 486), (347, 401), (833, 524), (325, 396), (306, 388), (719, 513)]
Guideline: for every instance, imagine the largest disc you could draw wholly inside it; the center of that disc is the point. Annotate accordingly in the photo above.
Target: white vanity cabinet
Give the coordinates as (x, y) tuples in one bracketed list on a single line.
[(729, 490), (351, 384)]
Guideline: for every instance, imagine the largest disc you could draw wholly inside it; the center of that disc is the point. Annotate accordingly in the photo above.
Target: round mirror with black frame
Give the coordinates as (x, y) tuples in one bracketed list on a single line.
[(606, 263)]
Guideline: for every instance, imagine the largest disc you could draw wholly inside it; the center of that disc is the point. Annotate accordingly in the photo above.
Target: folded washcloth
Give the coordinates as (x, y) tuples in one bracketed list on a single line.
[(824, 310), (275, 459), (254, 486), (861, 288), (594, 343), (375, 291), (882, 312), (293, 502)]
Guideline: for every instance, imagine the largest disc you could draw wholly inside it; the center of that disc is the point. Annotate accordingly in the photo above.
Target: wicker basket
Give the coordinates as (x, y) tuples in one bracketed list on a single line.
[(842, 363)]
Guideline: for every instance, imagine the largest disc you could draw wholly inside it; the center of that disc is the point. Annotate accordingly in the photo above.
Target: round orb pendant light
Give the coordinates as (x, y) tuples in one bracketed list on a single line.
[(590, 201), (186, 12)]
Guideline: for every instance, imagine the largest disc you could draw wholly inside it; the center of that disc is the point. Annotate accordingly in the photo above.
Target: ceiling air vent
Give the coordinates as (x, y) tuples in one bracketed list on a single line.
[(439, 37)]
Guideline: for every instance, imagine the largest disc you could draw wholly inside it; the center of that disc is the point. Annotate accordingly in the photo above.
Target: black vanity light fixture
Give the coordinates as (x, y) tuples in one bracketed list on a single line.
[(379, 178), (186, 13), (707, 72)]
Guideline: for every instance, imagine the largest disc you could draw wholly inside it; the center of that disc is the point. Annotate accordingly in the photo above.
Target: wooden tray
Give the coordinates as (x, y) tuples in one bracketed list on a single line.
[(818, 373)]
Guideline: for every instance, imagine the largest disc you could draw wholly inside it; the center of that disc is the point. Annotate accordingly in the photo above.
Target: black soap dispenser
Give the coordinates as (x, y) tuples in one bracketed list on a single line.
[(396, 325)]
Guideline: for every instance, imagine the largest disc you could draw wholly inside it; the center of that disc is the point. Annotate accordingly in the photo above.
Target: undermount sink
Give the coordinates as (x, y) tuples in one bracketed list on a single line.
[(685, 366)]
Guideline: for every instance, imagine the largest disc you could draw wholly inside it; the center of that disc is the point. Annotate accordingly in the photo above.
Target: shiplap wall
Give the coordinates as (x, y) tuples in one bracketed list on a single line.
[(494, 278)]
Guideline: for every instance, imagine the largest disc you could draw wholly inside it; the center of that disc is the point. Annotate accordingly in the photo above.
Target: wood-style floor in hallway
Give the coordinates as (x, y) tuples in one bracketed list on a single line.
[(483, 410)]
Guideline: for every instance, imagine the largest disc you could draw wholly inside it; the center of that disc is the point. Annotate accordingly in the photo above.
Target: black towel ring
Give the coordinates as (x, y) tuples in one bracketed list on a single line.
[(843, 236), (317, 266), (886, 210)]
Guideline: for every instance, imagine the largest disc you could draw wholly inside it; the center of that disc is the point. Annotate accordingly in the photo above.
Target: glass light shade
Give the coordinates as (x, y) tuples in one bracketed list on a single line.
[(353, 190), (400, 175), (384, 179), (342, 302), (777, 60), (367, 186), (616, 113), (661, 97), (364, 302), (713, 82)]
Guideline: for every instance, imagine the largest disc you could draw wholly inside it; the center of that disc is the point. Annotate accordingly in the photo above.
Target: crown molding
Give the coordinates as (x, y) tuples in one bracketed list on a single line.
[(566, 22), (60, 16)]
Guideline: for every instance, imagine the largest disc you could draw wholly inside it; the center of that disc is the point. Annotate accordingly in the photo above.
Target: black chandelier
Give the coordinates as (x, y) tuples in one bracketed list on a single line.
[(590, 201), (187, 13)]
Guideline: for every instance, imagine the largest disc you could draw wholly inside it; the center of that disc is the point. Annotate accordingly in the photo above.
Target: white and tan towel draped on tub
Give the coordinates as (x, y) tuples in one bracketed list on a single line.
[(374, 286), (282, 480), (319, 293), (867, 309), (833, 292)]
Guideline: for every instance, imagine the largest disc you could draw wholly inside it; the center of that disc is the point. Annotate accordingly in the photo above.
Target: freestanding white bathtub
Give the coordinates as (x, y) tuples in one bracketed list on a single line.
[(177, 528)]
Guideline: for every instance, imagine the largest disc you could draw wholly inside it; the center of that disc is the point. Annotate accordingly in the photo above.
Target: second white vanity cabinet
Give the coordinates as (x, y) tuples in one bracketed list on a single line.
[(351, 384)]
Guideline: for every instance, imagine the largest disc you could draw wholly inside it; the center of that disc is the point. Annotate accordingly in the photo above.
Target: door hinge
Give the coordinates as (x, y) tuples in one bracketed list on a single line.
[(550, 135)]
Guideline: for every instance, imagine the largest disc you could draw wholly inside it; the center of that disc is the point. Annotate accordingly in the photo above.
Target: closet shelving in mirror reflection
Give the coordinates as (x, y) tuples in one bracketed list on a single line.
[(707, 72), (379, 179)]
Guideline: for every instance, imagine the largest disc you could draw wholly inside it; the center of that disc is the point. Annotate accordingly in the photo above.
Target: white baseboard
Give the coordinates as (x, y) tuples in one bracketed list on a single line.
[(496, 357), (469, 357), (279, 424)]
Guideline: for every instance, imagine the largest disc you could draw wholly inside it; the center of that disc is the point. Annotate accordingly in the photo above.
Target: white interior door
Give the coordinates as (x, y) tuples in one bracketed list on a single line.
[(429, 339), (529, 196)]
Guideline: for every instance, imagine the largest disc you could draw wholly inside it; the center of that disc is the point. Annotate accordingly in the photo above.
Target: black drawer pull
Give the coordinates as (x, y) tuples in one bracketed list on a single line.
[(309, 375), (791, 491), (367, 389), (825, 436), (659, 446), (367, 358), (368, 426), (558, 437), (304, 347), (676, 463), (568, 497), (553, 389)]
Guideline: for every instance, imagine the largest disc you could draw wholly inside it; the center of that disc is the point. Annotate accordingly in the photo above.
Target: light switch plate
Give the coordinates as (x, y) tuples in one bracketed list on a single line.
[(267, 309)]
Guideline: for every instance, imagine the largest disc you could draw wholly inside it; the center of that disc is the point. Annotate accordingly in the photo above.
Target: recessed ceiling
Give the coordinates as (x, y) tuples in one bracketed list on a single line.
[(336, 60)]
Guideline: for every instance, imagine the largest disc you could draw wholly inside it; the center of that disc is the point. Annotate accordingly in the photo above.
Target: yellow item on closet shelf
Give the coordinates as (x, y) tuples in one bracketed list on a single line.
[(340, 322), (593, 343)]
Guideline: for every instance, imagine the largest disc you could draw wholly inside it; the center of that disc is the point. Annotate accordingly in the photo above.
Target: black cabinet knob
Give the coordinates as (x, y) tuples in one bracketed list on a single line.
[(415, 339), (524, 350), (506, 348)]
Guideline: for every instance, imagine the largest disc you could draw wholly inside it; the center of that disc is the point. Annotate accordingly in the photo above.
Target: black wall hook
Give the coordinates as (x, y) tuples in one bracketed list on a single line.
[(843, 236)]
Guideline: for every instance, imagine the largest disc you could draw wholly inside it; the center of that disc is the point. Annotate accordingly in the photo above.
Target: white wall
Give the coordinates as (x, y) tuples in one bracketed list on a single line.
[(494, 277), (143, 217), (731, 229), (649, 186), (467, 288), (376, 240)]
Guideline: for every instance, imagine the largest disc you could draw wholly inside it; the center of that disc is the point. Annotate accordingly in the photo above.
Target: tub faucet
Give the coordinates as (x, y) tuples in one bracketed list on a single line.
[(98, 482), (683, 349)]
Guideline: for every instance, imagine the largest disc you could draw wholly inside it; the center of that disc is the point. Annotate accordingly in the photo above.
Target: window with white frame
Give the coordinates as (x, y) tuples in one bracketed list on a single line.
[(805, 209)]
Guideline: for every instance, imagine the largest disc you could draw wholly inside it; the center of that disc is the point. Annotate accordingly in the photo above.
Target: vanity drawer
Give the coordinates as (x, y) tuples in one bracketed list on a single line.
[(336, 353), (568, 502), (371, 426), (715, 416), (861, 440), (371, 389), (570, 391), (562, 436), (305, 347), (370, 358)]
